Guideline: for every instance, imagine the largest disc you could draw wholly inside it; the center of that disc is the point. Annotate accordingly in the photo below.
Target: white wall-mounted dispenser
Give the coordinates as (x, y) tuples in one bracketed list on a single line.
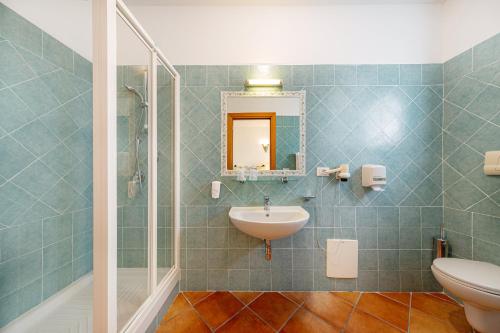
[(492, 163), (216, 189), (373, 176)]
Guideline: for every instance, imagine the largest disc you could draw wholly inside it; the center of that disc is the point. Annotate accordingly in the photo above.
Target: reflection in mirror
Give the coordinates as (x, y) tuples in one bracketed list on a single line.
[(263, 131), (251, 141)]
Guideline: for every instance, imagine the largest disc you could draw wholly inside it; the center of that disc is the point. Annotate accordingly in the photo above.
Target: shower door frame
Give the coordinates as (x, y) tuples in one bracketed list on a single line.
[(105, 312)]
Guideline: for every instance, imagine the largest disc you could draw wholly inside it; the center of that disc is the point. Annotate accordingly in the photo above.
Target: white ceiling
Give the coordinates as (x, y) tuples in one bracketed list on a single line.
[(275, 2)]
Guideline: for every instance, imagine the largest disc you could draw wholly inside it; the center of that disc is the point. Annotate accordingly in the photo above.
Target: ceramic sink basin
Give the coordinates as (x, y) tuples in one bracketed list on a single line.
[(282, 221)]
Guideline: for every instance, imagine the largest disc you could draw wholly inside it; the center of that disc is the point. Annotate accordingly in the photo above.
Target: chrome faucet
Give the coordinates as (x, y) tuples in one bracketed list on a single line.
[(267, 204)]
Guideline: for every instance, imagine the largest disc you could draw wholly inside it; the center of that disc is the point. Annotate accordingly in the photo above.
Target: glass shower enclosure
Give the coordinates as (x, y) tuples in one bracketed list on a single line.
[(89, 170), (138, 227)]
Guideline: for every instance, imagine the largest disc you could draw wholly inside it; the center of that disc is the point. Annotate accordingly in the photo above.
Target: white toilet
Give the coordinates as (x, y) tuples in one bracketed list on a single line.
[(477, 284)]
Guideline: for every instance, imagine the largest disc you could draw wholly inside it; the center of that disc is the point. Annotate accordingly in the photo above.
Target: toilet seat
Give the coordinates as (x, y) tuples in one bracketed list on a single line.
[(473, 274), (477, 284)]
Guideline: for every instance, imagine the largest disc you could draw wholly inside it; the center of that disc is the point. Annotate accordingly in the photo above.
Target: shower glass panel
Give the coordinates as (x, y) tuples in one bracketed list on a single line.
[(164, 181), (133, 71)]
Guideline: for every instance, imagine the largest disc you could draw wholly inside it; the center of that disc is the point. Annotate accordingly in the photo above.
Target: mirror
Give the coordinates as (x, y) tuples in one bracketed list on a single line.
[(263, 131)]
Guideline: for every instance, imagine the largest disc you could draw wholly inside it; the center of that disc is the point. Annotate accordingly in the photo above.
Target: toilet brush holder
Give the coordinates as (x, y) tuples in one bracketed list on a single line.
[(440, 245)]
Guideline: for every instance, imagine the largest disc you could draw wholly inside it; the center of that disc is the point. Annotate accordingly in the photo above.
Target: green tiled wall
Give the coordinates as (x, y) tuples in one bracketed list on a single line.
[(386, 114), (287, 141), (471, 126), (45, 165), (132, 212)]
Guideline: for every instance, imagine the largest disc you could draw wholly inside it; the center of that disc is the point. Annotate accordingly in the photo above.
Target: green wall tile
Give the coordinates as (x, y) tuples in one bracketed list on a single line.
[(345, 75), (83, 67), (486, 228), (57, 255), (411, 74), (56, 280), (324, 74), (56, 228), (487, 52), (367, 74), (388, 74), (239, 279), (303, 75), (17, 29), (485, 251), (57, 53), (458, 66), (11, 305), (217, 75), (13, 68), (196, 75), (432, 74)]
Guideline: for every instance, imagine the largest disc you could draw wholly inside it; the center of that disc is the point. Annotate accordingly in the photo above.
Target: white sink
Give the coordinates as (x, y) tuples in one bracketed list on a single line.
[(282, 221)]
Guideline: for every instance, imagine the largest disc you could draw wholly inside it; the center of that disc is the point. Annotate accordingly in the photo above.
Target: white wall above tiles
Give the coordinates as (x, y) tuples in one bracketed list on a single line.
[(271, 2), (385, 32), (69, 21), (468, 22), (295, 34)]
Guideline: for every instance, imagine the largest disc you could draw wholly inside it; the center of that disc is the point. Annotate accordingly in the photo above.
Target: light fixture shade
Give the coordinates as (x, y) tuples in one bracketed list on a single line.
[(264, 142), (263, 83)]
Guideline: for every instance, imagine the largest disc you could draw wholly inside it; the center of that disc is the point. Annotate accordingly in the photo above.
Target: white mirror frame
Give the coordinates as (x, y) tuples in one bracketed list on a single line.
[(302, 122)]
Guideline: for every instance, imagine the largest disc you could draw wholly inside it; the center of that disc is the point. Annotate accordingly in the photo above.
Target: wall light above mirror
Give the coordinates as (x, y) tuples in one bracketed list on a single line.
[(270, 83), (264, 131)]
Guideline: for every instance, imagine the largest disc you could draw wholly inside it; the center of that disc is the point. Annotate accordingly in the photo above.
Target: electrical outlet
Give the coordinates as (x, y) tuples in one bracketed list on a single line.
[(322, 172)]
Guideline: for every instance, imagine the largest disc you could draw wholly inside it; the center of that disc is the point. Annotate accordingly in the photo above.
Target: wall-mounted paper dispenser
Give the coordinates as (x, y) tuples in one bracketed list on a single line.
[(492, 163), (373, 176)]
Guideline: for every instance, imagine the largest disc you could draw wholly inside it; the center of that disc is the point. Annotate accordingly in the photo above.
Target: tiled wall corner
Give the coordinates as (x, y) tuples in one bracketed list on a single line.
[(471, 126), (46, 165)]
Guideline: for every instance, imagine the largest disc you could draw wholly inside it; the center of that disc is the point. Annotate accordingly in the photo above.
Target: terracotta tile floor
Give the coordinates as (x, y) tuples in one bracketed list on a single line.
[(322, 312)]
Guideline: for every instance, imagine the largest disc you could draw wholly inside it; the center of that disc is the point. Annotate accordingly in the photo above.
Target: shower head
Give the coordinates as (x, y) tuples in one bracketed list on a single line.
[(132, 89)]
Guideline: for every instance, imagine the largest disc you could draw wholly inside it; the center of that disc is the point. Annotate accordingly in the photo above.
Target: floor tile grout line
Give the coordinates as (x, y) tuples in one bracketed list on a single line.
[(302, 306), (354, 306), (378, 318), (317, 316), (265, 321), (201, 317), (438, 318), (381, 293), (245, 304), (196, 312), (409, 313), (210, 293), (238, 312), (258, 316), (291, 316), (382, 320), (444, 300), (229, 319), (289, 298), (178, 313)]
